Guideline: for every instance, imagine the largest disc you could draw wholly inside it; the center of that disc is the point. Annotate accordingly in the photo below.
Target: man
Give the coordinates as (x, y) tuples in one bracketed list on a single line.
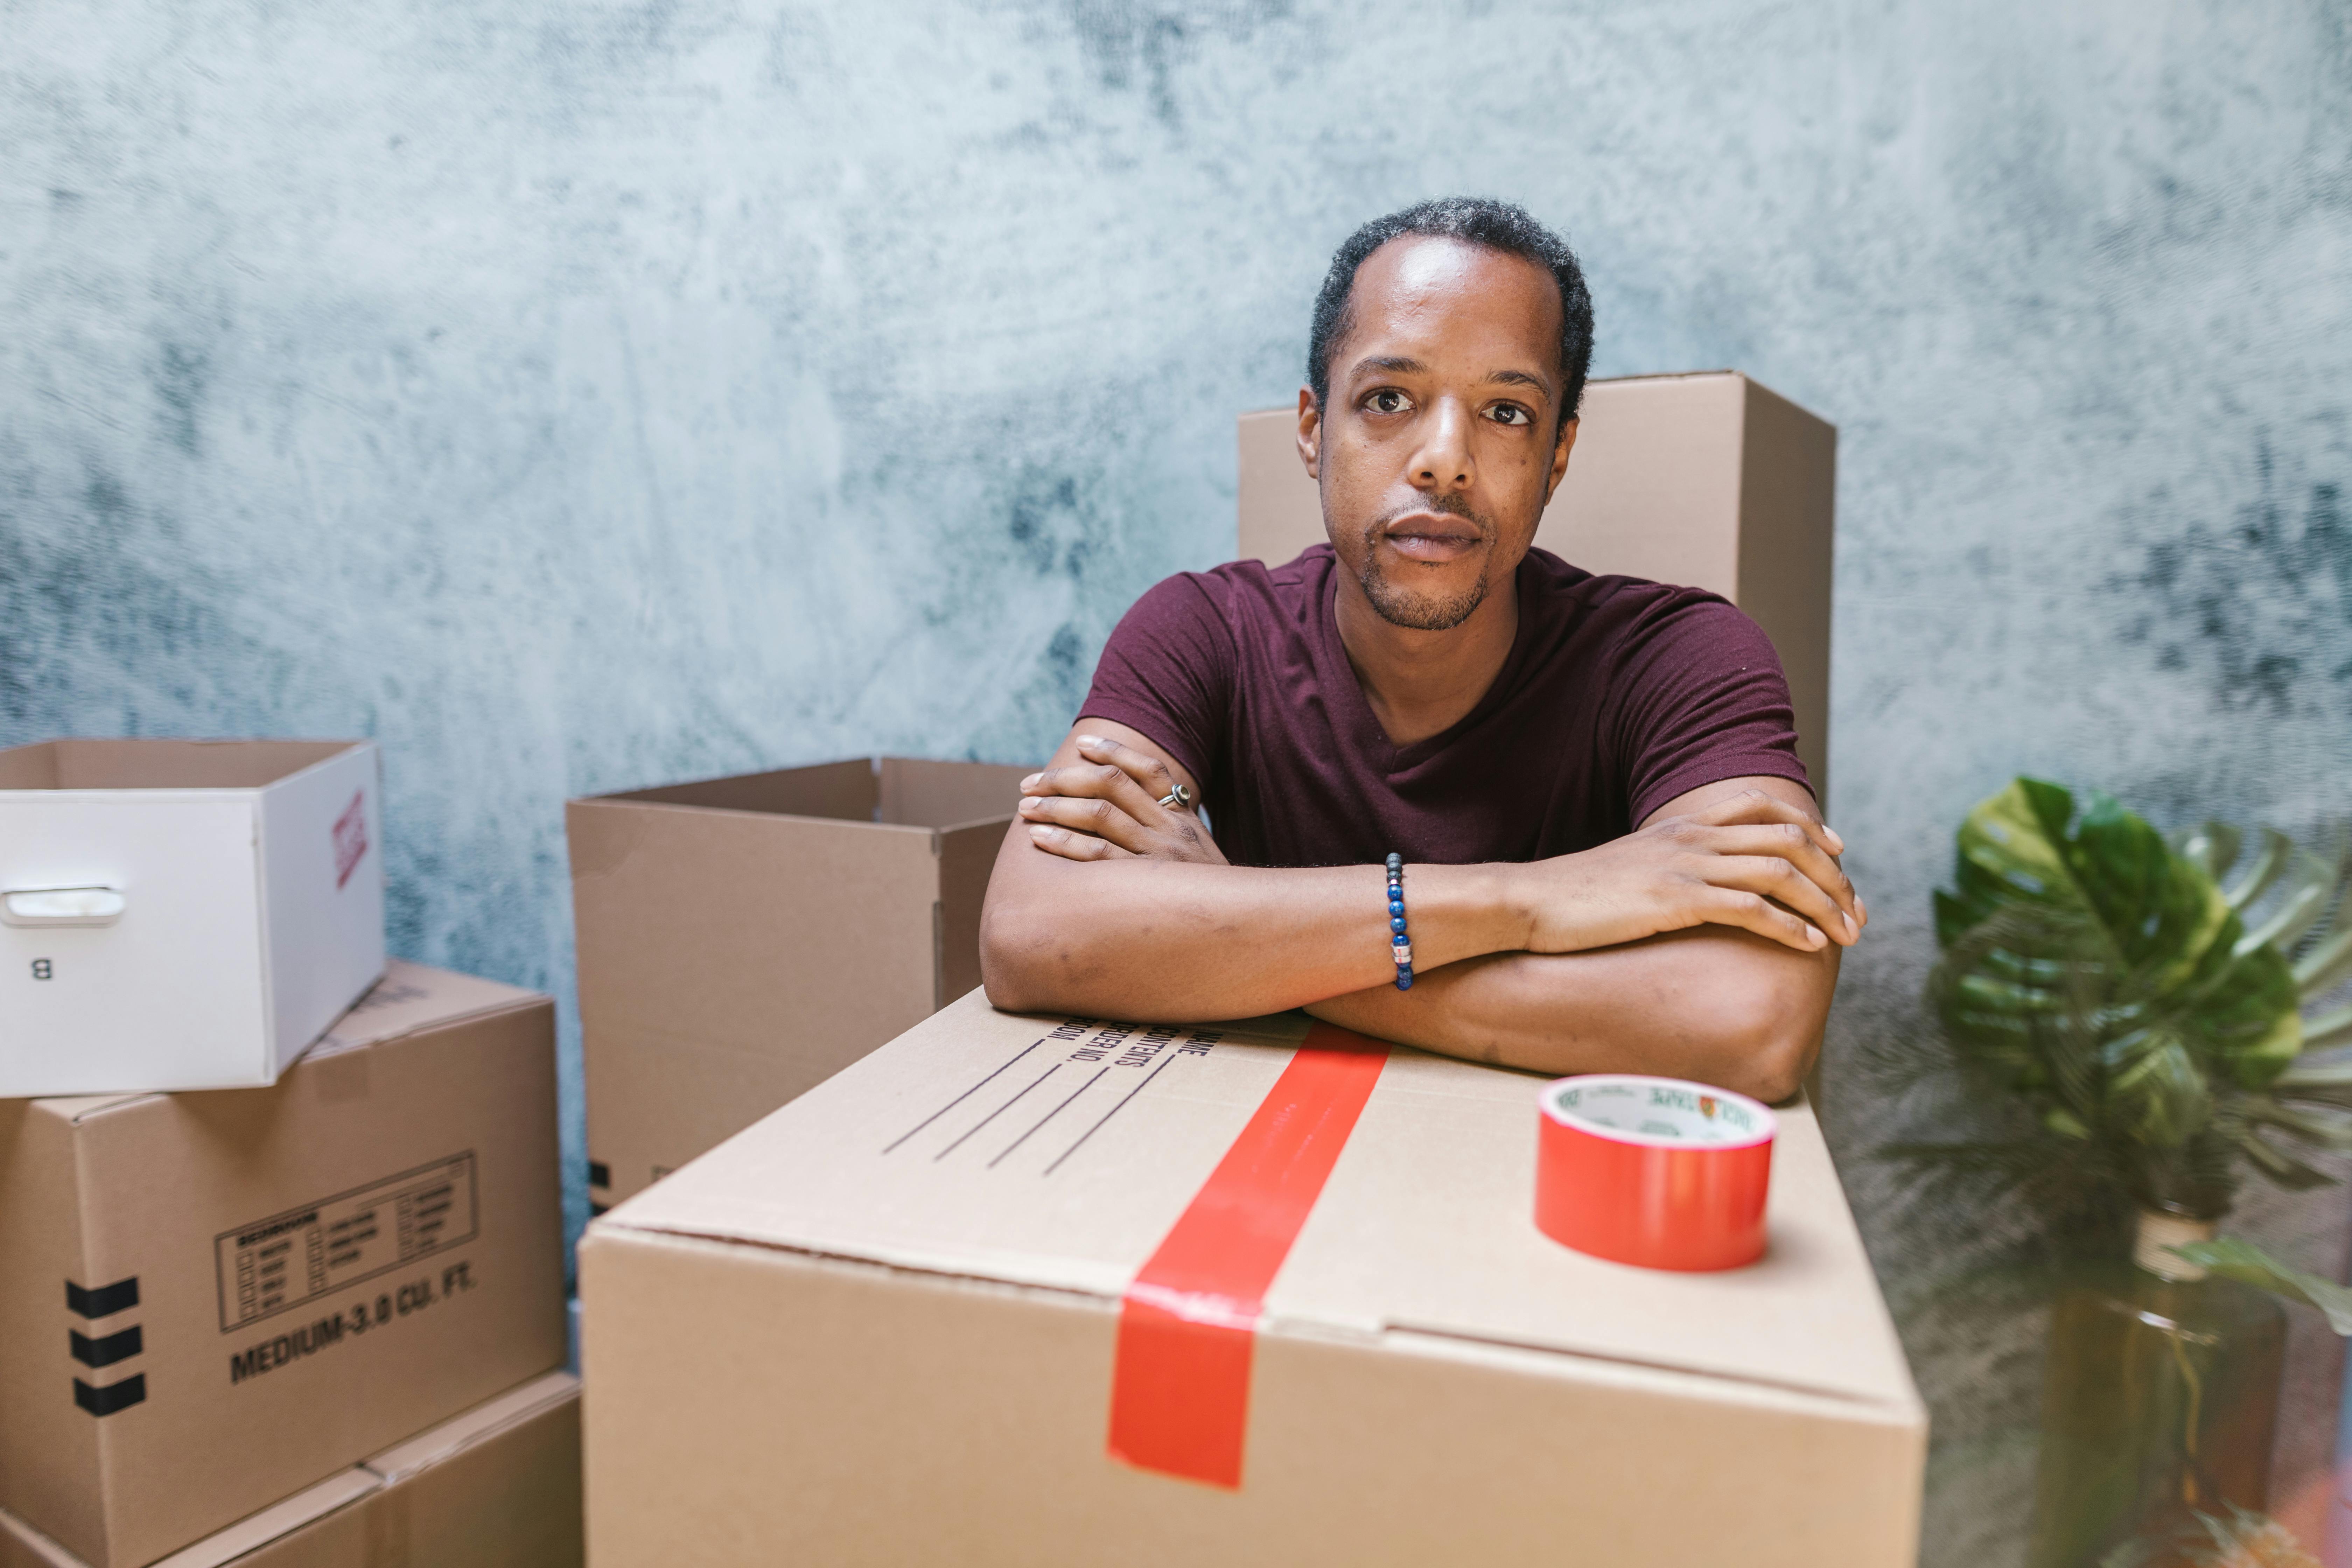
[(1612, 860)]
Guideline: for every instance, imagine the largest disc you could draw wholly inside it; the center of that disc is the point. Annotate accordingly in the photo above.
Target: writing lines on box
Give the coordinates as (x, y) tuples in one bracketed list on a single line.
[(274, 1264), (1046, 1100)]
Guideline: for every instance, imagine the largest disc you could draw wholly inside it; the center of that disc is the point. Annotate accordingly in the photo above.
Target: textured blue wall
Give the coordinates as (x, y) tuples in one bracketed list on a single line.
[(580, 396)]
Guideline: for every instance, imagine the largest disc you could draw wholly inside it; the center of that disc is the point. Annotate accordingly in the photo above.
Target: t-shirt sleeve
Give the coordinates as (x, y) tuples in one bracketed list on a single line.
[(1168, 672), (1699, 697)]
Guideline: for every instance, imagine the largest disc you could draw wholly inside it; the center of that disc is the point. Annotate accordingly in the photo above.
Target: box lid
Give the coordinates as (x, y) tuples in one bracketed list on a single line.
[(410, 999), (1057, 1153)]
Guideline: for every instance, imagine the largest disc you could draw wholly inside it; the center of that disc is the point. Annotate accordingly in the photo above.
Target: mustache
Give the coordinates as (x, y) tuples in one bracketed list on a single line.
[(1451, 505)]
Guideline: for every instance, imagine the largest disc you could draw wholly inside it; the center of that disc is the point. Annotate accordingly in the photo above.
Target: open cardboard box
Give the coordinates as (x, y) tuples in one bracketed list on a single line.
[(905, 1295), (182, 914), (743, 939)]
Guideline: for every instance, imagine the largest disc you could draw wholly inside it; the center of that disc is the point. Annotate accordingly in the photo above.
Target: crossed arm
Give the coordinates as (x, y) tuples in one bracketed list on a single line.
[(1703, 945)]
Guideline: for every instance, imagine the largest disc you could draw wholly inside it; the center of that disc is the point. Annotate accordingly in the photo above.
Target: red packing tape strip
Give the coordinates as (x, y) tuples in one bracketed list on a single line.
[(1180, 1385)]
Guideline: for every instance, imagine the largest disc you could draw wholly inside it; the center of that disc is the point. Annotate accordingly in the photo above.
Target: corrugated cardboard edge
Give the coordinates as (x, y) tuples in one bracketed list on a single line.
[(484, 1421), (258, 1529), (26, 1540), (435, 1445), (1911, 1412)]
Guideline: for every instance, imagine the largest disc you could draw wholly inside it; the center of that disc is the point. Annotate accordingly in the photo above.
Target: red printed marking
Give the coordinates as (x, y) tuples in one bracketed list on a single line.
[(351, 840), (1180, 1385)]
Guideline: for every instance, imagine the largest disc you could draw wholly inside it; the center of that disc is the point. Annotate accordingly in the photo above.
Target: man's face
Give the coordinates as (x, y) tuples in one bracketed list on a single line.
[(1435, 451)]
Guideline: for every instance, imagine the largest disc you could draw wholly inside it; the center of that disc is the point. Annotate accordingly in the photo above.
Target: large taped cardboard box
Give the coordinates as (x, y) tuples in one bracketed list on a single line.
[(903, 1294), (1711, 480), (182, 914), (741, 940), (213, 1300), (496, 1486)]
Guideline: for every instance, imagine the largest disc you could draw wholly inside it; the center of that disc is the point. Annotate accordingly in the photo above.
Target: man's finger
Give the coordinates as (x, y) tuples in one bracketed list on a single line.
[(1072, 846), (1096, 780), (1752, 806), (1775, 879), (1800, 849), (1751, 911), (1088, 814), (1149, 774)]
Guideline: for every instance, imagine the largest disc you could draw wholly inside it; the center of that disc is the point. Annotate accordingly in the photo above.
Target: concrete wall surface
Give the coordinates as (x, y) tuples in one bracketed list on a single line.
[(580, 396)]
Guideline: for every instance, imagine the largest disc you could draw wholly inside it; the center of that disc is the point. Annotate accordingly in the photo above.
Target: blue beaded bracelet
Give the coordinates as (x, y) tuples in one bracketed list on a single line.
[(1399, 948)]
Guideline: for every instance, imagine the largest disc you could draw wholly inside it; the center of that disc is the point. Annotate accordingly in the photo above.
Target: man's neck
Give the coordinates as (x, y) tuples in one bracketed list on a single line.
[(1418, 683)]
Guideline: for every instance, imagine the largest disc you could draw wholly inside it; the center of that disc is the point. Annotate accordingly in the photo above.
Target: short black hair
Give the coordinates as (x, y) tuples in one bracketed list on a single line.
[(1474, 220)]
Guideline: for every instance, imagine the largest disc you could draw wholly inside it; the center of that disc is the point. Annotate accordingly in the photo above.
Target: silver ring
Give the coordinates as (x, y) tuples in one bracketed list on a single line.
[(1178, 799)]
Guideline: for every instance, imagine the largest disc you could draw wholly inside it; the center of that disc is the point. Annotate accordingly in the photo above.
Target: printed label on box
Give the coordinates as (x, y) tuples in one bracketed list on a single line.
[(274, 1264), (351, 840)]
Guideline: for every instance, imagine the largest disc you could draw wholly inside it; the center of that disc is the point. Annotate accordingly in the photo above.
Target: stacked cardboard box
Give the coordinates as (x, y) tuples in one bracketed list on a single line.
[(182, 914), (215, 1301), (496, 1486), (939, 1313), (741, 940)]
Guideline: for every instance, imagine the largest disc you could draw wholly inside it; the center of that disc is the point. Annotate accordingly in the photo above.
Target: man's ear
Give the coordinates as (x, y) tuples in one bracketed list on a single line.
[(1559, 458), (1310, 433)]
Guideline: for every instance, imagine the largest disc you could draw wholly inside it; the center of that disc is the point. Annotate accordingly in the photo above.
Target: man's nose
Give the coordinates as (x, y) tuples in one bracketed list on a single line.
[(1443, 463)]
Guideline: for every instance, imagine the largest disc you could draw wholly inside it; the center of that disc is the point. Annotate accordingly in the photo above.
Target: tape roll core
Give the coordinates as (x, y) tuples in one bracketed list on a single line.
[(1656, 1171)]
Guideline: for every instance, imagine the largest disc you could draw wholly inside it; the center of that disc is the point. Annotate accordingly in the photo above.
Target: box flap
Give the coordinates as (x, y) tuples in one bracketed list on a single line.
[(257, 1529), (143, 764), (413, 997), (1057, 1153), (487, 1419)]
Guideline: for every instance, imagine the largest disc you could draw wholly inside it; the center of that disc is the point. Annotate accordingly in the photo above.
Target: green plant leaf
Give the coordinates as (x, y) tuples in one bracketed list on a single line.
[(2317, 1069), (2323, 1129), (2210, 846), (2263, 872), (2290, 1173), (2329, 1029), (2105, 977), (2329, 964), (2249, 1265), (2309, 890)]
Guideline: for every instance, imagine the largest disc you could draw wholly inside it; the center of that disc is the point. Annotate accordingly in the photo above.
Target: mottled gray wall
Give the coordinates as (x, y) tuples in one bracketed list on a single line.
[(582, 395)]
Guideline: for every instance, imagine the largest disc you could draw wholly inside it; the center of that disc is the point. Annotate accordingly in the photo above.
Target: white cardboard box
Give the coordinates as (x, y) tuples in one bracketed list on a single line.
[(182, 914)]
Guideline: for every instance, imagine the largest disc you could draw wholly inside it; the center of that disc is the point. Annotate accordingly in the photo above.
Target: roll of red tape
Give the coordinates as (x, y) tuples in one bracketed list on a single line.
[(1653, 1170)]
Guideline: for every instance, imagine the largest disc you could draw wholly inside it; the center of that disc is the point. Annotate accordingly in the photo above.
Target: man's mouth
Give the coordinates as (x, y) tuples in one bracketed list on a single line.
[(1431, 537)]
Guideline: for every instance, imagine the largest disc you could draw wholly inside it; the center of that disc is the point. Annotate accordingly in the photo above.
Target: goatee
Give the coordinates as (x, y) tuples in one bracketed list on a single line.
[(1401, 607)]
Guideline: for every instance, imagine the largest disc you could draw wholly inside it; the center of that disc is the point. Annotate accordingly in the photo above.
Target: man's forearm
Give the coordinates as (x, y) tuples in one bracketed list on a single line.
[(1719, 1006), (1158, 939)]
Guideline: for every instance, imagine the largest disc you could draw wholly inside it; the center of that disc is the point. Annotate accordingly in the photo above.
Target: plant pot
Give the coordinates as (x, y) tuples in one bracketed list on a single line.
[(2158, 1402)]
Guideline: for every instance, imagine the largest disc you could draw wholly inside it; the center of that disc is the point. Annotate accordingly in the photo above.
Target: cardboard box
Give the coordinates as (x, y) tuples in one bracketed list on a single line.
[(741, 940), (1709, 479), (182, 914), (498, 1486), (213, 1301), (909, 1296)]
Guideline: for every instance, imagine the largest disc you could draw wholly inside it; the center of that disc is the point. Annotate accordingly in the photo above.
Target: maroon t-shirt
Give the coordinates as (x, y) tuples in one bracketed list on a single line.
[(1617, 696)]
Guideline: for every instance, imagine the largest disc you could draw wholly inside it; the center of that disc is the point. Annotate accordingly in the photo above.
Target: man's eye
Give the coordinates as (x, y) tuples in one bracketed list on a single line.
[(1510, 414), (1388, 400)]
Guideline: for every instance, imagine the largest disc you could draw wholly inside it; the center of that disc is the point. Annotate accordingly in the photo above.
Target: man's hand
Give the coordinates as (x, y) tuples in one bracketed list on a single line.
[(1108, 808), (1751, 859)]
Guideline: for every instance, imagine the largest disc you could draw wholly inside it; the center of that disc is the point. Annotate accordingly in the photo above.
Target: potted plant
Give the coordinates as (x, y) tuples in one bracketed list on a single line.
[(2113, 983)]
